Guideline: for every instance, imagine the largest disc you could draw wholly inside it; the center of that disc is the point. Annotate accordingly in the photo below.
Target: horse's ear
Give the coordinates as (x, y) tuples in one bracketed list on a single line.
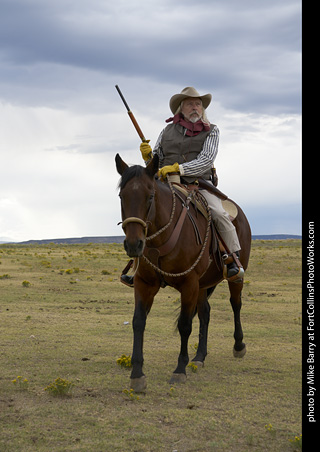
[(153, 166), (120, 164)]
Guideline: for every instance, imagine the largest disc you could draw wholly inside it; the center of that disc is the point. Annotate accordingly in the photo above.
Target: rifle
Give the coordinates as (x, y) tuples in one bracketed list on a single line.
[(206, 185), (133, 119)]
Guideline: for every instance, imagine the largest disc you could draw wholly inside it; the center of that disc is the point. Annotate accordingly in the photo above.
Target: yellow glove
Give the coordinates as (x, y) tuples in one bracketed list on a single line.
[(146, 150), (168, 169)]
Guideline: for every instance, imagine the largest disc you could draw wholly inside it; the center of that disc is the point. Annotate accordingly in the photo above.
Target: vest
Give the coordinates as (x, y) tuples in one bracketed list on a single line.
[(177, 147)]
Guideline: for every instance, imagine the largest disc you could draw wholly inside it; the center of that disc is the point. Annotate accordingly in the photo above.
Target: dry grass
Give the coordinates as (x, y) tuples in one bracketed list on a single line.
[(72, 325)]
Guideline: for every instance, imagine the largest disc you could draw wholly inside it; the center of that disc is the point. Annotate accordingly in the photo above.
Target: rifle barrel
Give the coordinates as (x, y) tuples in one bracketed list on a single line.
[(133, 119), (123, 99)]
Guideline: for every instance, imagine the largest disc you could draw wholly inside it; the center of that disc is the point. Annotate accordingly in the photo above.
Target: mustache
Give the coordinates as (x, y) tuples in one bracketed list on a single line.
[(194, 116)]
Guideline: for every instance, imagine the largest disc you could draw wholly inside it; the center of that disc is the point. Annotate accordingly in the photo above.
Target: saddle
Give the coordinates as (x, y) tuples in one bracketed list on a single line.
[(228, 205), (220, 249)]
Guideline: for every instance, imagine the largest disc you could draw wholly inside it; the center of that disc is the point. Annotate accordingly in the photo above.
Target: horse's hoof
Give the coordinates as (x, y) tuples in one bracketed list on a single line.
[(138, 384), (239, 354), (178, 378), (199, 364)]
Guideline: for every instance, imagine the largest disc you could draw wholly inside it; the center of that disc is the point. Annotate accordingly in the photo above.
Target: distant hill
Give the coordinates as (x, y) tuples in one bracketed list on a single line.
[(5, 240), (277, 237), (75, 240), (119, 239)]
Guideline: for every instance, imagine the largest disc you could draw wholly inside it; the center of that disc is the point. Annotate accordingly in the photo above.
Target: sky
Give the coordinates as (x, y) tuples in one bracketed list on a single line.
[(62, 120)]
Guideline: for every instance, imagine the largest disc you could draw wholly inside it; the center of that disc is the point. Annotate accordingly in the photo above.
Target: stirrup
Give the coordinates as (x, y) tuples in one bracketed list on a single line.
[(237, 277), (231, 264), (127, 280)]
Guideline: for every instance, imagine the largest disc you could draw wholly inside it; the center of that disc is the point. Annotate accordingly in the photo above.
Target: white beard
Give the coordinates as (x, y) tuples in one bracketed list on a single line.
[(194, 118)]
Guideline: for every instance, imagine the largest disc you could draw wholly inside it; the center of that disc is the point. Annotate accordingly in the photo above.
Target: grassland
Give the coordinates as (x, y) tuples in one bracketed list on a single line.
[(65, 314)]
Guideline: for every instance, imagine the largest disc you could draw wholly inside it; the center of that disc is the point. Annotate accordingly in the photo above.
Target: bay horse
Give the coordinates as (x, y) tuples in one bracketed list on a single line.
[(150, 212)]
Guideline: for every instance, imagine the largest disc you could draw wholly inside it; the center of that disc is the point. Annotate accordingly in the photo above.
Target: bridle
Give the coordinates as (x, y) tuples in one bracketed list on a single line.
[(146, 223), (135, 220)]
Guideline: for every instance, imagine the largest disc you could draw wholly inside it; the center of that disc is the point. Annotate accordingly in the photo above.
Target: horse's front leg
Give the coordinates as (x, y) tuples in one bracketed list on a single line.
[(203, 308), (144, 295), (239, 349), (189, 296)]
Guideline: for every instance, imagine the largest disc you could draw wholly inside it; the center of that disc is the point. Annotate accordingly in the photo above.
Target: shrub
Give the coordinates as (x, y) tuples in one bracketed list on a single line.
[(21, 383), (60, 387), (105, 272), (124, 361)]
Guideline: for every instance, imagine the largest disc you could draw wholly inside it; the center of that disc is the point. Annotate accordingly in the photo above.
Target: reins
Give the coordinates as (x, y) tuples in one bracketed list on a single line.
[(176, 275), (156, 234), (169, 245), (144, 224)]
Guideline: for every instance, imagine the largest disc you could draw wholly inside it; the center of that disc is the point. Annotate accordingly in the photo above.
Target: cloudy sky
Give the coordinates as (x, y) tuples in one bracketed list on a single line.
[(62, 121)]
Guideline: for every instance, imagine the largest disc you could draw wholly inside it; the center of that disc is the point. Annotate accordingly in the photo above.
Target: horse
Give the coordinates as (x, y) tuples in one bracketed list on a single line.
[(150, 212)]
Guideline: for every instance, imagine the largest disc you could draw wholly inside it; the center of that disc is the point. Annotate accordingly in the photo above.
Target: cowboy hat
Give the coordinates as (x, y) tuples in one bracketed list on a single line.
[(189, 91)]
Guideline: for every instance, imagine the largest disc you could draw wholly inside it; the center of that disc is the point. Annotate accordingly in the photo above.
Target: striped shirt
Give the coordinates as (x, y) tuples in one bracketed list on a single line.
[(204, 160)]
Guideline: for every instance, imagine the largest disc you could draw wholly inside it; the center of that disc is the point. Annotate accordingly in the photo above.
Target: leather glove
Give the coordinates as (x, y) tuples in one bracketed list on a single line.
[(168, 169), (146, 150)]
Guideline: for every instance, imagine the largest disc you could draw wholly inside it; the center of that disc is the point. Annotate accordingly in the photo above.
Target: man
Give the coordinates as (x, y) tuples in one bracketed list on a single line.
[(189, 146)]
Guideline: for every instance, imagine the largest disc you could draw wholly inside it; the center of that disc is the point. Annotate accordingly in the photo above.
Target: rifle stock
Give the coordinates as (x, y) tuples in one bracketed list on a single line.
[(206, 185)]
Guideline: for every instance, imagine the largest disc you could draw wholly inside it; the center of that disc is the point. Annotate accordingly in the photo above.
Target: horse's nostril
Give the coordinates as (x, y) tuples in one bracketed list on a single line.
[(134, 249)]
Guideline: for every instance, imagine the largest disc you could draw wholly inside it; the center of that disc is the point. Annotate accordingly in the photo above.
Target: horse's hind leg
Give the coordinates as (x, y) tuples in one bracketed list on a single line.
[(203, 308), (239, 349)]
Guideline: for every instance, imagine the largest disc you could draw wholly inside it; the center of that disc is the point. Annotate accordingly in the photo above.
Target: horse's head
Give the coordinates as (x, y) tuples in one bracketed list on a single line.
[(137, 191)]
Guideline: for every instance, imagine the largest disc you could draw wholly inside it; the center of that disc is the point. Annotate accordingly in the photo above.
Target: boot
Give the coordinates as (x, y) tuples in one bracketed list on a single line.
[(124, 278), (127, 280), (233, 268)]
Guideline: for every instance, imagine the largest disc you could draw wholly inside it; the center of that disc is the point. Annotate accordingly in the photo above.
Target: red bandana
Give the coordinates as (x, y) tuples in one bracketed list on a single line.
[(192, 128)]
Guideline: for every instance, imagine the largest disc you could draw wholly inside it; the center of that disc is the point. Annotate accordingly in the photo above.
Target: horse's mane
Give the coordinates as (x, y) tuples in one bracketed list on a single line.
[(130, 172)]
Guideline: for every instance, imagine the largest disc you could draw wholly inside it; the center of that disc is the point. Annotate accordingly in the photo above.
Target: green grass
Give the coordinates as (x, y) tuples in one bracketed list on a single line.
[(69, 322)]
